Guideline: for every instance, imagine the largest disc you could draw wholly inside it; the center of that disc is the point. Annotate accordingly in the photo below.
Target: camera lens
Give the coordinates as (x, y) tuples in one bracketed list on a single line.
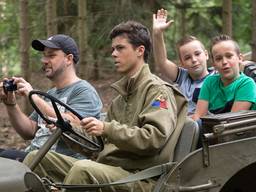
[(8, 85)]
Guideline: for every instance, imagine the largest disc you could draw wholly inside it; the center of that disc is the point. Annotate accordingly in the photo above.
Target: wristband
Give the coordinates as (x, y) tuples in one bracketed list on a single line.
[(9, 104)]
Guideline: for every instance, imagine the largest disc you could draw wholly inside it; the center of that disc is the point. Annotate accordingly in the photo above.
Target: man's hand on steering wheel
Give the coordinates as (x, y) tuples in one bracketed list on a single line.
[(65, 120)]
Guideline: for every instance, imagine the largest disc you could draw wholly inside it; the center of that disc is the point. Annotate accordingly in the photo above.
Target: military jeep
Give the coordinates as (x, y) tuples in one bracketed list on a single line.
[(225, 162)]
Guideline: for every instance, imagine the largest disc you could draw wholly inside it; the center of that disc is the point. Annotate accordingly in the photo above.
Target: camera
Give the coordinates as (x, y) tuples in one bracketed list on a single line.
[(8, 85)]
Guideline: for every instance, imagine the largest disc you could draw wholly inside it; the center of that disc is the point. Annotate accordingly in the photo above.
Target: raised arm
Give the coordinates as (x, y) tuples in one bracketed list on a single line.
[(160, 23), (24, 126)]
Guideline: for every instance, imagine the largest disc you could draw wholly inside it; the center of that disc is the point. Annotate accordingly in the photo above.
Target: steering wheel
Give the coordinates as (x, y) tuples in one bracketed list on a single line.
[(93, 144)]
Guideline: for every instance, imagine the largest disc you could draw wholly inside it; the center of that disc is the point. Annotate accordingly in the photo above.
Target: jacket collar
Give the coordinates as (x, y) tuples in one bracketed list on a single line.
[(127, 85)]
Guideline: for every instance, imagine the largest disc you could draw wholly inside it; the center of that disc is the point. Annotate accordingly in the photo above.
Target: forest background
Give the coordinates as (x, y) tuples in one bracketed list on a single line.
[(89, 23)]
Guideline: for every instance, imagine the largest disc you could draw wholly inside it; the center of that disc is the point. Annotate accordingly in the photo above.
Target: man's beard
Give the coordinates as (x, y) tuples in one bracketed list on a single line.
[(54, 74)]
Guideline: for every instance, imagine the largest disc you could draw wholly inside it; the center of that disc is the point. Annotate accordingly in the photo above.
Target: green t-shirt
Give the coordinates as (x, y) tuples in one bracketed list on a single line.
[(221, 98)]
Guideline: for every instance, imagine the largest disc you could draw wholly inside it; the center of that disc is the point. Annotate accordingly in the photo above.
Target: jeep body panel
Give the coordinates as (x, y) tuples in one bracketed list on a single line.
[(12, 175), (225, 161)]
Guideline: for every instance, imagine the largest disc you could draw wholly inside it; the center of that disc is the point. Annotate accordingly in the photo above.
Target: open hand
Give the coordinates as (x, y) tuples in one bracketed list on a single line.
[(160, 22)]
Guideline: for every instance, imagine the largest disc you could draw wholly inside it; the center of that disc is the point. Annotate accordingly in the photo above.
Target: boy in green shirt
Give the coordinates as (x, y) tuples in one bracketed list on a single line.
[(229, 90)]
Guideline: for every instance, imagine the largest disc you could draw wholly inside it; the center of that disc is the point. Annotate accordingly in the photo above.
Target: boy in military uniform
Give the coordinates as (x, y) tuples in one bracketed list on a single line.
[(142, 125)]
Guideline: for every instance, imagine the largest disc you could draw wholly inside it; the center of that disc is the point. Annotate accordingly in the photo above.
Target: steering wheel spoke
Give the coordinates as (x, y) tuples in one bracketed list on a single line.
[(80, 138)]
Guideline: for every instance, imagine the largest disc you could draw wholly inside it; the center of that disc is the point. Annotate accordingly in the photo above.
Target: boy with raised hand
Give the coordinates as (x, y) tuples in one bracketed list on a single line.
[(192, 56), (229, 89)]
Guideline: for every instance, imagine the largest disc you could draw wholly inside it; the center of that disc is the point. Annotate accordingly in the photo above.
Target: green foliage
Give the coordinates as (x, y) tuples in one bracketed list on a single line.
[(242, 24), (203, 19), (9, 37), (104, 15), (37, 29), (9, 32)]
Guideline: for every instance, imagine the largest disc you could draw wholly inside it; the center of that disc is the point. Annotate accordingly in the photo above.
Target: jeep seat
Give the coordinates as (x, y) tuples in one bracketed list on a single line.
[(188, 140)]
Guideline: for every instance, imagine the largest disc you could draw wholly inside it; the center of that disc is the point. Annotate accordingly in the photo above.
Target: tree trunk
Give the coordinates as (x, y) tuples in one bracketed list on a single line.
[(51, 17), (82, 35), (227, 17), (24, 45), (66, 14), (183, 22), (182, 9), (254, 30)]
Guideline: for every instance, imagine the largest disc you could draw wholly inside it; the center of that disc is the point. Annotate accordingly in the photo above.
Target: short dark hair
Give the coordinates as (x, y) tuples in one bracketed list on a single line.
[(136, 33), (219, 38), (187, 39)]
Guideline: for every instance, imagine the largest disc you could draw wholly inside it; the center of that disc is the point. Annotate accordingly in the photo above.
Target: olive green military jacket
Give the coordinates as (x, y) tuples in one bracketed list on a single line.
[(143, 123)]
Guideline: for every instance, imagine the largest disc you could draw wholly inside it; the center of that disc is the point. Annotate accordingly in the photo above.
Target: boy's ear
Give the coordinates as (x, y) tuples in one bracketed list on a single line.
[(241, 62), (140, 50), (207, 54), (241, 57), (181, 63), (213, 63)]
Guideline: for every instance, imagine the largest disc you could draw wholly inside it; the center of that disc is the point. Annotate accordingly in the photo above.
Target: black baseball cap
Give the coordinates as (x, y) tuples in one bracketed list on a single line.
[(60, 41)]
